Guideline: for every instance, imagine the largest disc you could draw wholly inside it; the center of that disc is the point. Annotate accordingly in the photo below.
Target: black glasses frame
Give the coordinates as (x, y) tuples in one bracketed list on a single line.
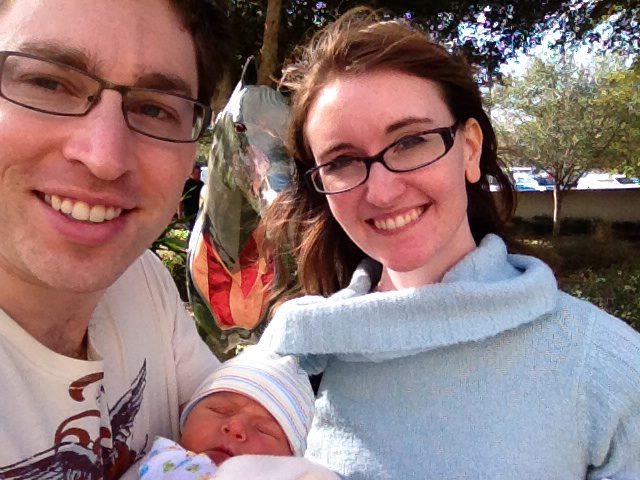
[(95, 97), (448, 135)]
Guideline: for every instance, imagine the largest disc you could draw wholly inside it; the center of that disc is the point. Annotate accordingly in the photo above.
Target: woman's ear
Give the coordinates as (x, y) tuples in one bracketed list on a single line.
[(472, 133)]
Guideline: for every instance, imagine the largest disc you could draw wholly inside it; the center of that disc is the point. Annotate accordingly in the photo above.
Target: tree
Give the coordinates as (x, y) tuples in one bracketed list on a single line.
[(269, 50), (560, 118), (622, 100), (487, 32), (620, 17)]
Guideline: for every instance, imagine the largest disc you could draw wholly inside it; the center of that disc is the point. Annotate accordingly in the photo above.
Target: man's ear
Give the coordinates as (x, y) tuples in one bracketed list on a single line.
[(472, 149)]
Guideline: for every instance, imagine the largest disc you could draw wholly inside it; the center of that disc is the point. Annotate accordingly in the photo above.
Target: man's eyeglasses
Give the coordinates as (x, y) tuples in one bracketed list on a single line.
[(51, 87), (404, 155)]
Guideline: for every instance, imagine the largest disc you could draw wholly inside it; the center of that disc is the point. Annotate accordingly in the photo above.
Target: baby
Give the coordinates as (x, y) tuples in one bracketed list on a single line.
[(255, 403)]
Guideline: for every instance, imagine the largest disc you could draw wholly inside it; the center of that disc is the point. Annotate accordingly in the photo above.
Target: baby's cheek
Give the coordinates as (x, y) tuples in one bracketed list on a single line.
[(265, 445), (190, 439), (281, 447)]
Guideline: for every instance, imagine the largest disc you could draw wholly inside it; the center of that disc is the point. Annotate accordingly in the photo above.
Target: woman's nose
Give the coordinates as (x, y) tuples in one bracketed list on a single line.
[(383, 186), (235, 429)]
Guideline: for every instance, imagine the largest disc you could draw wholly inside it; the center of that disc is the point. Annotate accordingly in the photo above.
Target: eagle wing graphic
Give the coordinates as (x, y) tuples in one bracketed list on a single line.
[(84, 458), (127, 407), (120, 457), (65, 461)]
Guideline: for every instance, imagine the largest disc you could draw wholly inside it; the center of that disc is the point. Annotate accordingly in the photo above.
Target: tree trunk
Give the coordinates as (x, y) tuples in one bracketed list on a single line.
[(557, 209), (222, 94), (269, 50)]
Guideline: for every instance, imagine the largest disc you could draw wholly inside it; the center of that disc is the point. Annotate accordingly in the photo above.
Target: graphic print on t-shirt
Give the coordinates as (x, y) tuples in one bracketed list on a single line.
[(80, 453)]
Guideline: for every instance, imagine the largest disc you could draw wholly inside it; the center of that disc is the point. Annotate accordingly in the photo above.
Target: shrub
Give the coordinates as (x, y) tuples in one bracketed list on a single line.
[(603, 272), (615, 289), (171, 248)]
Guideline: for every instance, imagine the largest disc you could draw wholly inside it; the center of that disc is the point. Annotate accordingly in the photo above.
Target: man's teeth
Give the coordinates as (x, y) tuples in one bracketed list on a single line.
[(82, 211), (399, 221)]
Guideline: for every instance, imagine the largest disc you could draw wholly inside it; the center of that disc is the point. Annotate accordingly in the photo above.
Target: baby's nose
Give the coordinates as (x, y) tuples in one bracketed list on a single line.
[(236, 430)]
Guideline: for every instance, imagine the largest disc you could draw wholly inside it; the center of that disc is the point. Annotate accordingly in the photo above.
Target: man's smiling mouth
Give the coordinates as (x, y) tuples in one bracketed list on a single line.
[(82, 211)]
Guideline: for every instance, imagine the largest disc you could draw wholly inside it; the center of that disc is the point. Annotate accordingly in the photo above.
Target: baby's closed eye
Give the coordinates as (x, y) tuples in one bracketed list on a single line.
[(270, 429), (221, 410)]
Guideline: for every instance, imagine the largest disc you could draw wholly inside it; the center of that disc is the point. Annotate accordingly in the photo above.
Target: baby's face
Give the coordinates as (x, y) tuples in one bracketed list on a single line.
[(226, 424)]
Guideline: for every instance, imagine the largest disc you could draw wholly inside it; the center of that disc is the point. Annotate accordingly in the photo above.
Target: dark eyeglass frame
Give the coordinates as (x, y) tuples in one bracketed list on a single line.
[(95, 97), (448, 135)]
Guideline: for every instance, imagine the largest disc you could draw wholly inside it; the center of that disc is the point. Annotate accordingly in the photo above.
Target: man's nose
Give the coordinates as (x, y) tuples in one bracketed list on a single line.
[(101, 140), (235, 429), (383, 186)]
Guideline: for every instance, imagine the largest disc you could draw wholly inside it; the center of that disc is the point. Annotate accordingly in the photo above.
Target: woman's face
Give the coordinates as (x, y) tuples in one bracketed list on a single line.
[(412, 222)]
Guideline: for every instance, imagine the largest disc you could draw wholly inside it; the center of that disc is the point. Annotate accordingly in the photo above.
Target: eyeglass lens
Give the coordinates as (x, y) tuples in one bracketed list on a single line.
[(53, 88), (408, 154)]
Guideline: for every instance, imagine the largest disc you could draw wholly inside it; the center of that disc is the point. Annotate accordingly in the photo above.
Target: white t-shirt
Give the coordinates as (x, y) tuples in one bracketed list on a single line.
[(97, 417)]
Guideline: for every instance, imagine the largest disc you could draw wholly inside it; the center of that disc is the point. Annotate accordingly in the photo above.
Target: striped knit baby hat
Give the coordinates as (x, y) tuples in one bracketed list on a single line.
[(277, 383)]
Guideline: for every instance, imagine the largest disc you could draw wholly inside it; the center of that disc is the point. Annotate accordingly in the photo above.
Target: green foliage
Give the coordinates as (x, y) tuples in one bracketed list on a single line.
[(567, 120), (204, 144), (622, 100), (173, 239), (561, 119), (171, 248), (615, 289), (487, 32), (621, 17), (604, 272)]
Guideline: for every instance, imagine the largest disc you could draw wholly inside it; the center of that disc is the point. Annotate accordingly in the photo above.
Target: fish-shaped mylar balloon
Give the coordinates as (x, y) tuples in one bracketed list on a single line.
[(248, 166)]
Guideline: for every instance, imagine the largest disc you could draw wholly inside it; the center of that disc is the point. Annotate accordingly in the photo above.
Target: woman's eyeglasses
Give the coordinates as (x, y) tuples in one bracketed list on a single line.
[(404, 155)]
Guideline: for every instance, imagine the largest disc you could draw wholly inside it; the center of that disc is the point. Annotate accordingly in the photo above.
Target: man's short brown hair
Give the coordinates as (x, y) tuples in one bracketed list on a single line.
[(208, 23)]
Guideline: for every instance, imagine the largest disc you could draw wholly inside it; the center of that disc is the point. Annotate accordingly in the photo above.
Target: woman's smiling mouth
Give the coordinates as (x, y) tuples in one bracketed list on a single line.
[(399, 221)]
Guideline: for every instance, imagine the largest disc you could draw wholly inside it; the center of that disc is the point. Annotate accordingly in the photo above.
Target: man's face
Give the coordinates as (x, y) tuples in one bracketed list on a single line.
[(93, 159)]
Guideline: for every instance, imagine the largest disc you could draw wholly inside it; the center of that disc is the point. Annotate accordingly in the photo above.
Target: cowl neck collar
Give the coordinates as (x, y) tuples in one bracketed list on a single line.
[(488, 292)]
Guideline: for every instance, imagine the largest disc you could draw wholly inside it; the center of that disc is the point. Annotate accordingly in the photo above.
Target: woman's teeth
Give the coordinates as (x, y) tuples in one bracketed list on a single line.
[(398, 221), (79, 210)]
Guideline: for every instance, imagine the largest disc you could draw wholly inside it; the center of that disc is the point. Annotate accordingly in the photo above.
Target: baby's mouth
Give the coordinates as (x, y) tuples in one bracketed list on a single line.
[(219, 454)]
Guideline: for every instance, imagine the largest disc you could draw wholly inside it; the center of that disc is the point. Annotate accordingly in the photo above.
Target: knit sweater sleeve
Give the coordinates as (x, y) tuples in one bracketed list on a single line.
[(612, 399)]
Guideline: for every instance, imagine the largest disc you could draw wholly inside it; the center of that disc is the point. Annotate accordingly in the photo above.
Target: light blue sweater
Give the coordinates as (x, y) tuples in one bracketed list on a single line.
[(491, 374)]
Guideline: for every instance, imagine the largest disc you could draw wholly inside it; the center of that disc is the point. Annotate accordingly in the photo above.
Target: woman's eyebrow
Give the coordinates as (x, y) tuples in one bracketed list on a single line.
[(336, 148), (407, 121), (389, 129)]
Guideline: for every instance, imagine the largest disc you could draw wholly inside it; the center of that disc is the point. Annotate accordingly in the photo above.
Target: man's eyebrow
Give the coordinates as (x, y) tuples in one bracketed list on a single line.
[(73, 57), (80, 59), (164, 81)]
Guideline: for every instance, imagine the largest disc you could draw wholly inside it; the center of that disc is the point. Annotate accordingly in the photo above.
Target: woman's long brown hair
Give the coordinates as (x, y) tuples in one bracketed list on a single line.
[(313, 254)]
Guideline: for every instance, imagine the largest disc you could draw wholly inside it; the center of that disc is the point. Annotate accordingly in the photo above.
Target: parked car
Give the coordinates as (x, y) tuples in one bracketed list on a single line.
[(528, 183), (599, 181), (547, 182), (204, 174)]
